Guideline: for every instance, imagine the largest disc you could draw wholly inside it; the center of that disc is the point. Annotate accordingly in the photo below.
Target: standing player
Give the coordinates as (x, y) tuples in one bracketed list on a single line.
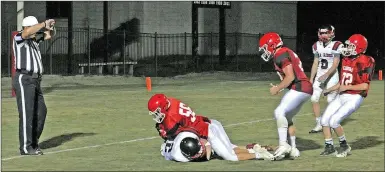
[(289, 68), (356, 73), (324, 71), (173, 116)]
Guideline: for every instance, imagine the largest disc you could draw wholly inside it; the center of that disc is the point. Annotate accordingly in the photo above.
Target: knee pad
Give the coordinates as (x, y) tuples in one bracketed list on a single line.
[(282, 122), (324, 121), (316, 95), (280, 117), (279, 112), (334, 122)]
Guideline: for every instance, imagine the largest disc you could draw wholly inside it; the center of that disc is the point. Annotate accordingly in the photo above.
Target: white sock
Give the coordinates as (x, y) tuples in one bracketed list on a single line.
[(342, 138), (292, 141), (329, 141), (318, 121), (282, 133)]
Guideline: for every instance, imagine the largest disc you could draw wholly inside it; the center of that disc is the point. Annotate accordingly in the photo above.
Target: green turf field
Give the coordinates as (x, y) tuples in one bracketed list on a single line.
[(108, 128)]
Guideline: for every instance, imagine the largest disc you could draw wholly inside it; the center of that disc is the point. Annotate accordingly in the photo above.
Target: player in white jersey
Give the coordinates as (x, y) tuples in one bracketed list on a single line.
[(187, 146), (171, 149), (324, 73)]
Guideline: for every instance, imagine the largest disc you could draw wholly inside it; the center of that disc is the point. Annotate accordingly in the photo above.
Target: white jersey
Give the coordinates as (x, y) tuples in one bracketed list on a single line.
[(171, 149), (326, 55)]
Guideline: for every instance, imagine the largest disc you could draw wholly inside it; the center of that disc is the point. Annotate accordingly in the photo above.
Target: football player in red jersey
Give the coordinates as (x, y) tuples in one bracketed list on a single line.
[(173, 117), (289, 68), (356, 72)]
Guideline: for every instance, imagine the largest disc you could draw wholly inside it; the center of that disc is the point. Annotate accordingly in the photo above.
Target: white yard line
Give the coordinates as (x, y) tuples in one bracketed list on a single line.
[(150, 138)]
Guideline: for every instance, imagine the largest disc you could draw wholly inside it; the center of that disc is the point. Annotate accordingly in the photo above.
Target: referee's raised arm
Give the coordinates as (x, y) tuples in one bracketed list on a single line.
[(27, 83)]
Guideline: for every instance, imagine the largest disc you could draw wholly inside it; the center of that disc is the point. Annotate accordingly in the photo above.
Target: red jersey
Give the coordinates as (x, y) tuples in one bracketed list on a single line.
[(356, 71), (284, 57), (179, 117)]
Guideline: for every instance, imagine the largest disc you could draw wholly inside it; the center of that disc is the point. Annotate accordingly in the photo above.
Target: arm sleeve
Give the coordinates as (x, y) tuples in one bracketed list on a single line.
[(162, 133), (337, 47), (19, 39), (283, 60), (367, 70)]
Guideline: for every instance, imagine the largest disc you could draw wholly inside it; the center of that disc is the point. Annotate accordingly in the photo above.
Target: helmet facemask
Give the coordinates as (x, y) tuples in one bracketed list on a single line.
[(349, 49), (325, 35), (266, 55), (157, 115)]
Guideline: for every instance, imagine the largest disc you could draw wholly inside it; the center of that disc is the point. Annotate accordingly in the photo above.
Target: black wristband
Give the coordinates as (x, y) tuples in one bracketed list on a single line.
[(45, 25)]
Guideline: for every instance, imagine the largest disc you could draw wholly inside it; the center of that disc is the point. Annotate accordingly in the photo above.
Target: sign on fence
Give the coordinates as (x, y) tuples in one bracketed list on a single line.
[(212, 4)]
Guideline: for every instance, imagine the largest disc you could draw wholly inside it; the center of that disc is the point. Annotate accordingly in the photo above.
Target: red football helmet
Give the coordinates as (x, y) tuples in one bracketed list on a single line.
[(356, 44), (326, 33), (157, 105), (268, 44)]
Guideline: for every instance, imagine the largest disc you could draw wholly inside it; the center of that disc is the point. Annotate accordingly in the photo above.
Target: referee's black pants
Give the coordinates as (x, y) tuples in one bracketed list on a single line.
[(32, 110)]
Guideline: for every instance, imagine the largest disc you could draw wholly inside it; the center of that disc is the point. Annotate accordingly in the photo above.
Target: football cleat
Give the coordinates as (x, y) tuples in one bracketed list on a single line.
[(344, 150), (263, 153), (294, 153), (282, 150), (316, 129), (329, 150)]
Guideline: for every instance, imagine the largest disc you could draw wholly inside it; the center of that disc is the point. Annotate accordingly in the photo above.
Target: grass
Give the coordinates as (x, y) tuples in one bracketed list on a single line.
[(96, 128)]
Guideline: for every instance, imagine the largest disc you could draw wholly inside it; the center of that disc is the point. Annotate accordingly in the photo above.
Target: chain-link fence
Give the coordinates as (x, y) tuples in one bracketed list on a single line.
[(120, 52)]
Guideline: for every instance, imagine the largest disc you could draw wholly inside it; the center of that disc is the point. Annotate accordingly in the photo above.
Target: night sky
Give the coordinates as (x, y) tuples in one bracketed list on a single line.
[(366, 18)]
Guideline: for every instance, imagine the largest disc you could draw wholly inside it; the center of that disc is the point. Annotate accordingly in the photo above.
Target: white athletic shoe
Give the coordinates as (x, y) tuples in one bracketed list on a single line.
[(294, 153), (263, 153), (316, 129), (282, 150)]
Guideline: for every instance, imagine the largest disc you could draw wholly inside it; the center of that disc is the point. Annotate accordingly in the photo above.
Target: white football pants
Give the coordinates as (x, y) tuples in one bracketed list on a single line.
[(290, 105), (220, 141), (317, 90), (340, 108)]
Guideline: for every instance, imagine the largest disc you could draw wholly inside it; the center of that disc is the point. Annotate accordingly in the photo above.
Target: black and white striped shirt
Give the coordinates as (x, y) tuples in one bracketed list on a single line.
[(27, 54)]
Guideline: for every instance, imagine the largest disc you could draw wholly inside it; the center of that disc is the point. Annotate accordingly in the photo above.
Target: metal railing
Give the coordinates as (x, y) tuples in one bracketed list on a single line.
[(155, 54)]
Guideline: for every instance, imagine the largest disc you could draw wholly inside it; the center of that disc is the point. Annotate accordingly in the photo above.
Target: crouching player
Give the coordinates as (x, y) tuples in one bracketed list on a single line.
[(356, 72), (173, 117)]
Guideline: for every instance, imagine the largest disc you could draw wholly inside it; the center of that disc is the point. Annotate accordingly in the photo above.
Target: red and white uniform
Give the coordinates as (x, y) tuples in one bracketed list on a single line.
[(180, 118), (326, 56), (354, 71), (300, 89)]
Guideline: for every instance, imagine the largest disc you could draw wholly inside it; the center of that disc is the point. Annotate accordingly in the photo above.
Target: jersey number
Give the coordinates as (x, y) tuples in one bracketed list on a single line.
[(300, 63), (324, 64), (347, 78), (186, 111), (168, 146)]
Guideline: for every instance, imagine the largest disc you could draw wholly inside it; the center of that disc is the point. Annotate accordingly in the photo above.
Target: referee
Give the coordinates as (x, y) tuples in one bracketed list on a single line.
[(29, 69)]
